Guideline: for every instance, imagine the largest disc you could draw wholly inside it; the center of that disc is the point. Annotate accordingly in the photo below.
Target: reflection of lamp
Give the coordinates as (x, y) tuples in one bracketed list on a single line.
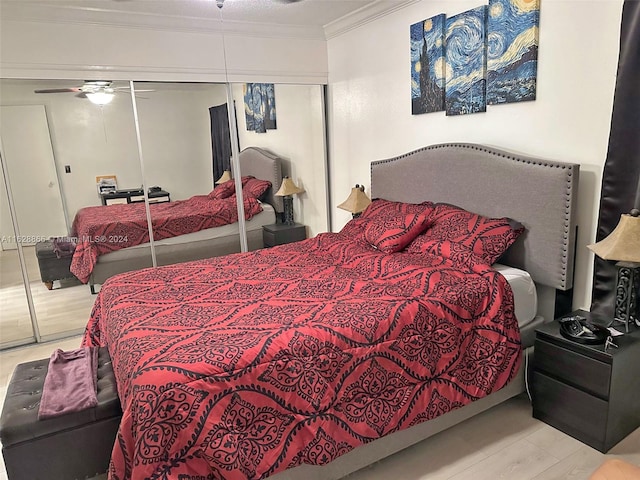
[(357, 201), (99, 97), (225, 177), (287, 190), (623, 246)]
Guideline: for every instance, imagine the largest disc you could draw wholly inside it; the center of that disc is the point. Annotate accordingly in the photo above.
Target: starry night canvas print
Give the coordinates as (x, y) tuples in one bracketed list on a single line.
[(427, 65), (465, 69), (512, 50), (270, 106), (247, 90), (260, 106)]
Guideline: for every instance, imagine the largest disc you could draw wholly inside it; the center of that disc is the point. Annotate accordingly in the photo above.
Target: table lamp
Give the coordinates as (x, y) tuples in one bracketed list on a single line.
[(356, 202), (623, 246), (287, 190)]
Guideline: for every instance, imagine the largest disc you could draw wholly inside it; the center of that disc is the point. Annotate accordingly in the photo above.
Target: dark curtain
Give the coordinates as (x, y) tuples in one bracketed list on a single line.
[(622, 167), (220, 140)]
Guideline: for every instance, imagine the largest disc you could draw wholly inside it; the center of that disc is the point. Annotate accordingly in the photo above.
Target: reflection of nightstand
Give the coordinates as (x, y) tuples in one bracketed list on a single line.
[(135, 195), (280, 233), (583, 390)]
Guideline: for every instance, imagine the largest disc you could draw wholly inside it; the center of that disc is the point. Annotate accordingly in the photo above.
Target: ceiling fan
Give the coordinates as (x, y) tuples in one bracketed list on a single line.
[(99, 92)]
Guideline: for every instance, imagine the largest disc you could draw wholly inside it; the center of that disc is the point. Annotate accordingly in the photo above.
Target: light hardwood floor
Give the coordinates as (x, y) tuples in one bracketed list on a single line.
[(65, 308), (505, 442)]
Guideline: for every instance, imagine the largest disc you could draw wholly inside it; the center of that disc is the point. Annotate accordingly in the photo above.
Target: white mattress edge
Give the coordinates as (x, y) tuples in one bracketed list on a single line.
[(525, 296)]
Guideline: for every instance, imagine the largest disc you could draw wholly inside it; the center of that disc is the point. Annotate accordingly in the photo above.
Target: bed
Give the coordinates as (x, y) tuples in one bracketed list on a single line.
[(315, 359), (255, 162)]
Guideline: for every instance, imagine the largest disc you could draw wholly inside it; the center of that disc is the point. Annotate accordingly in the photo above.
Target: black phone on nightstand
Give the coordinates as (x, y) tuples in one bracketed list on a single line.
[(576, 328)]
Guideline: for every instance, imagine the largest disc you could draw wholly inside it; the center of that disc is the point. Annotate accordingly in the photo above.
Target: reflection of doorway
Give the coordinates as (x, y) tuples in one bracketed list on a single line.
[(28, 157)]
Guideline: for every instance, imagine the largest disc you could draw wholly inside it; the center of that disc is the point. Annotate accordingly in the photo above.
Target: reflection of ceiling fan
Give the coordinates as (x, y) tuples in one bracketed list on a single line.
[(99, 92)]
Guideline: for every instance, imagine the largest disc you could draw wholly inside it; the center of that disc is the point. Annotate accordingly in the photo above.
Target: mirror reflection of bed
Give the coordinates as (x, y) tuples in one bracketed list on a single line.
[(209, 242)]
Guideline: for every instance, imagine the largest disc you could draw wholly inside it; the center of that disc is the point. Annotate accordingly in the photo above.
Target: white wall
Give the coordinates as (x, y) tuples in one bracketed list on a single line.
[(370, 108), (299, 140)]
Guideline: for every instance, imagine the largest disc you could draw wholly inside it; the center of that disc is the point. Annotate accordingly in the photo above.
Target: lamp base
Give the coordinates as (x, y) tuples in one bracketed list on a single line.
[(288, 210), (627, 284)]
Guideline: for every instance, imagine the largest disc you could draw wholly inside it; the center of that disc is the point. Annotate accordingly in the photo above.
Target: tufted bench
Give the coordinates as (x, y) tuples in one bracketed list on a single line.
[(73, 446), (51, 267)]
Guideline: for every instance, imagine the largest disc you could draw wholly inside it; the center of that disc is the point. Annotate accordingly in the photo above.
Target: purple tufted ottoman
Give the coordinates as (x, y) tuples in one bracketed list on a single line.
[(68, 447)]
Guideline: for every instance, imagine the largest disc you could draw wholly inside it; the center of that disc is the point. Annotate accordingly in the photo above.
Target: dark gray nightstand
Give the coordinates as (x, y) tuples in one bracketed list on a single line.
[(586, 391), (280, 233)]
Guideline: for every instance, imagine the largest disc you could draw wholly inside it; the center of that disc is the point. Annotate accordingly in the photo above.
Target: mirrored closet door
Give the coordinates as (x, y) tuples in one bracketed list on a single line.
[(97, 156), (58, 146)]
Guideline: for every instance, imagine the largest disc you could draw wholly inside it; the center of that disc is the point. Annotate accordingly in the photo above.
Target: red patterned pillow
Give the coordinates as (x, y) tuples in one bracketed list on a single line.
[(453, 251), (487, 237), (391, 231), (224, 190), (380, 206), (255, 188), (354, 228)]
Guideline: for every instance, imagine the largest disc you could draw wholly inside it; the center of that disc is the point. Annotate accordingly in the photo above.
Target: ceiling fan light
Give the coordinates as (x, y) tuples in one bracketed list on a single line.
[(100, 98)]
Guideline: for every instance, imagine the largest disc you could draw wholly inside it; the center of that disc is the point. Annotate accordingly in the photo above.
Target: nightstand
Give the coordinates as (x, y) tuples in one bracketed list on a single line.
[(281, 233), (586, 391)]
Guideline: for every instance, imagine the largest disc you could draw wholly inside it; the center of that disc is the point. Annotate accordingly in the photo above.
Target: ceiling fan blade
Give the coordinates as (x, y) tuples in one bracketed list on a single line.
[(59, 90), (127, 89)]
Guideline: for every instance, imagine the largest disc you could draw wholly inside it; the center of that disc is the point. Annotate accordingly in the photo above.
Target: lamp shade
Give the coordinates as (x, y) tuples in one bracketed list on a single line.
[(623, 244), (288, 188), (225, 177), (357, 200)]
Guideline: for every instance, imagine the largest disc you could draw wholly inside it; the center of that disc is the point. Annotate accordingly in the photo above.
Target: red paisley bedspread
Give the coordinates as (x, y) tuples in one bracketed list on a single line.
[(105, 229), (241, 366)]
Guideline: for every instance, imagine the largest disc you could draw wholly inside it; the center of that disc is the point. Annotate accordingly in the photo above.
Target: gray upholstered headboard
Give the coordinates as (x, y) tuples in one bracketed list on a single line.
[(264, 165), (540, 194)]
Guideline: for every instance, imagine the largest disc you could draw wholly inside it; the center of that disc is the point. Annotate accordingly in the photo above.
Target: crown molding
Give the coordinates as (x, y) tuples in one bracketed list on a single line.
[(364, 15), (45, 12), (161, 74)]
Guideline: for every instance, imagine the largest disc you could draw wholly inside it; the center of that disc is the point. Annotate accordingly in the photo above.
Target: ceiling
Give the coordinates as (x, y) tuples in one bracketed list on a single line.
[(312, 13)]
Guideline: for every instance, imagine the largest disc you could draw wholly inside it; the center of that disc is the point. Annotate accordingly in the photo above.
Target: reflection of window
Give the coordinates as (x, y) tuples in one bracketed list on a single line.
[(260, 106)]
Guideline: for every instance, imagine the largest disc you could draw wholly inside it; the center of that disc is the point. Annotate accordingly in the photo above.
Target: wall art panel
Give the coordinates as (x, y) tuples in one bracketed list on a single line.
[(427, 65), (260, 106), (465, 68), (512, 50)]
